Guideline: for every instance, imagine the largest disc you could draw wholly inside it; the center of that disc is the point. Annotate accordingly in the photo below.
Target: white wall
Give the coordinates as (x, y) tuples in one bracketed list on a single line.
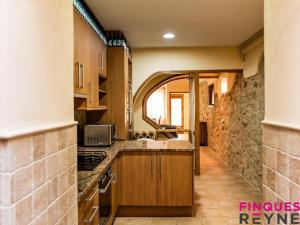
[(253, 55), (151, 60), (36, 65), (282, 60)]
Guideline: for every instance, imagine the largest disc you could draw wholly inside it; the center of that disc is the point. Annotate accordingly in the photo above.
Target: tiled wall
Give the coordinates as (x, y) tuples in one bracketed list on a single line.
[(281, 163), (38, 180)]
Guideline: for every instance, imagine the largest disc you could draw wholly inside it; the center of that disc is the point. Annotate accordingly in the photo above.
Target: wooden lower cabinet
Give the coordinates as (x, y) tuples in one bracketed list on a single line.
[(88, 208), (139, 180), (157, 179), (175, 179)]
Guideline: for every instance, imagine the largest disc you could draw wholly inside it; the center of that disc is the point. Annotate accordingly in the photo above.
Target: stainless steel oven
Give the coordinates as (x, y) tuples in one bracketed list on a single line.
[(105, 196)]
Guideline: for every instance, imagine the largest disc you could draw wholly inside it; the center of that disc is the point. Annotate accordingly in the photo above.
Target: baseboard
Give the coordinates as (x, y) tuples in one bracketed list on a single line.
[(153, 211)]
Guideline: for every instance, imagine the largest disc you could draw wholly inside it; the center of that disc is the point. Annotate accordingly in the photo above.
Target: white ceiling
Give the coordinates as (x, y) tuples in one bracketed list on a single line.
[(194, 22)]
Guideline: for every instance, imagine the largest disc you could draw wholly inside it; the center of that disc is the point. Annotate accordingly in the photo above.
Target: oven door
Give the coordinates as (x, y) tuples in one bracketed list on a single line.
[(105, 200)]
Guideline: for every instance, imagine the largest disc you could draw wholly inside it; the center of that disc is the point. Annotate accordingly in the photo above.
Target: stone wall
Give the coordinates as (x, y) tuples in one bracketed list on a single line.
[(234, 125)]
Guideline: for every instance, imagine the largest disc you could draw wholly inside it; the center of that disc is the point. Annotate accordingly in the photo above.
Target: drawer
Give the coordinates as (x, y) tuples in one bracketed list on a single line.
[(88, 208)]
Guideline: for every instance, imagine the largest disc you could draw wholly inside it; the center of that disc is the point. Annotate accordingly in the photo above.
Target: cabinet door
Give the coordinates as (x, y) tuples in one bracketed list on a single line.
[(139, 181), (103, 58), (93, 84), (115, 188), (175, 179), (80, 54), (78, 46)]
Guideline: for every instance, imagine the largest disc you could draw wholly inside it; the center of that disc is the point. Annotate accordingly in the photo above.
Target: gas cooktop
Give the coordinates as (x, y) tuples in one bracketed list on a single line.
[(89, 160)]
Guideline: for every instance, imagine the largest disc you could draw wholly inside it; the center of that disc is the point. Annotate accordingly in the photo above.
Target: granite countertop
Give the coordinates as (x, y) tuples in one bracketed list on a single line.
[(86, 179)]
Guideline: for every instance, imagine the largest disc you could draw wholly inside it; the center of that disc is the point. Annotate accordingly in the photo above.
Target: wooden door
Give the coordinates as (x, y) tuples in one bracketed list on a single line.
[(139, 181), (175, 178)]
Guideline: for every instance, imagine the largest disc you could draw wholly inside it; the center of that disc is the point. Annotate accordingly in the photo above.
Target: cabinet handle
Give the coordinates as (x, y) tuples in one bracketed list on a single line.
[(92, 196), (78, 75), (90, 220), (82, 77)]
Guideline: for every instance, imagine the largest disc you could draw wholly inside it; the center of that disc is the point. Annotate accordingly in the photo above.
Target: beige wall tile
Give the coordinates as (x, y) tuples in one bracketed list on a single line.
[(51, 166), (6, 189), (73, 214), (62, 160), (39, 173), (294, 169), (62, 205), (24, 211), (39, 147), (22, 183), (51, 142), (72, 196), (282, 163), (53, 213), (72, 175), (39, 200), (52, 190), (4, 157), (294, 192), (8, 215), (271, 179), (282, 187), (62, 139), (72, 155), (270, 154), (71, 136), (21, 152), (293, 142), (63, 182), (41, 180), (275, 137), (42, 219)]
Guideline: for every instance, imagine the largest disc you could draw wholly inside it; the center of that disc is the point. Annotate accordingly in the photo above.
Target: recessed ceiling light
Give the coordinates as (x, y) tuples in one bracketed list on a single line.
[(168, 35)]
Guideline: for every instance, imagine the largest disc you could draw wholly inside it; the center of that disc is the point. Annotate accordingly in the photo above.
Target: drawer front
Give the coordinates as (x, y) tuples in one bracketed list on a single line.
[(88, 209)]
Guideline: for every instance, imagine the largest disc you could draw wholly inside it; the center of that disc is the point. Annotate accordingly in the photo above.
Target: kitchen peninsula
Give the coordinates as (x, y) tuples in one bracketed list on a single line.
[(150, 178)]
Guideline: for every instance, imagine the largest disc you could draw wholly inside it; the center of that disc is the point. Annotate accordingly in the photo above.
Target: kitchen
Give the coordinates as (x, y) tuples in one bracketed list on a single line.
[(77, 144), (118, 176)]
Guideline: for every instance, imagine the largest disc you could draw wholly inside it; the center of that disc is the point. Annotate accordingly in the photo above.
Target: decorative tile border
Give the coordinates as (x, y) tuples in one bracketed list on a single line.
[(87, 16)]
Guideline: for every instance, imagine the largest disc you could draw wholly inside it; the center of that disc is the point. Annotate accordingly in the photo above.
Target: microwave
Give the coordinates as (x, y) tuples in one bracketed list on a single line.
[(100, 134)]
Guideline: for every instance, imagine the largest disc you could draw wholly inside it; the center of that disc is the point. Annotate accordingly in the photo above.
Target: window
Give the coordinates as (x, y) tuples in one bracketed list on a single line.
[(211, 94), (224, 85), (177, 110), (155, 106)]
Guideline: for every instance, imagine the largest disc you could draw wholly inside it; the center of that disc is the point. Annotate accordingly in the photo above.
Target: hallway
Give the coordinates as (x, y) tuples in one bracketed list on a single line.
[(218, 191)]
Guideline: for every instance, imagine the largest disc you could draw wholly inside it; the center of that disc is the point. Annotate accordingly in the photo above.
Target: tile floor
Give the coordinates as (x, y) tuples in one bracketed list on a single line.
[(218, 191)]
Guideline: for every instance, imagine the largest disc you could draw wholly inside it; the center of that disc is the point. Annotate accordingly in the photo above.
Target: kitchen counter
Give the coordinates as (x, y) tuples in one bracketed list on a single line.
[(87, 178)]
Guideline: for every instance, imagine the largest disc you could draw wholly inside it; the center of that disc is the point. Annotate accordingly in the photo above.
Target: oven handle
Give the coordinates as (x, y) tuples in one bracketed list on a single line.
[(103, 190)]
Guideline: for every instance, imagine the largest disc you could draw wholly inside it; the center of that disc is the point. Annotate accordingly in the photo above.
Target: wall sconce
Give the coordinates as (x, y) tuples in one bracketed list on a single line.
[(224, 85)]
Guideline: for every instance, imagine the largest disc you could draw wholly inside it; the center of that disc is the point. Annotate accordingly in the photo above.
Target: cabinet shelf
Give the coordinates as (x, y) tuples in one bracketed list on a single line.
[(99, 108), (102, 92)]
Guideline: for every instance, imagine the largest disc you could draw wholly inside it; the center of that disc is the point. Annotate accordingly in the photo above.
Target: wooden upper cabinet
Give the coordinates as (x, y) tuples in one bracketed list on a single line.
[(175, 178), (89, 62), (80, 54), (139, 181)]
